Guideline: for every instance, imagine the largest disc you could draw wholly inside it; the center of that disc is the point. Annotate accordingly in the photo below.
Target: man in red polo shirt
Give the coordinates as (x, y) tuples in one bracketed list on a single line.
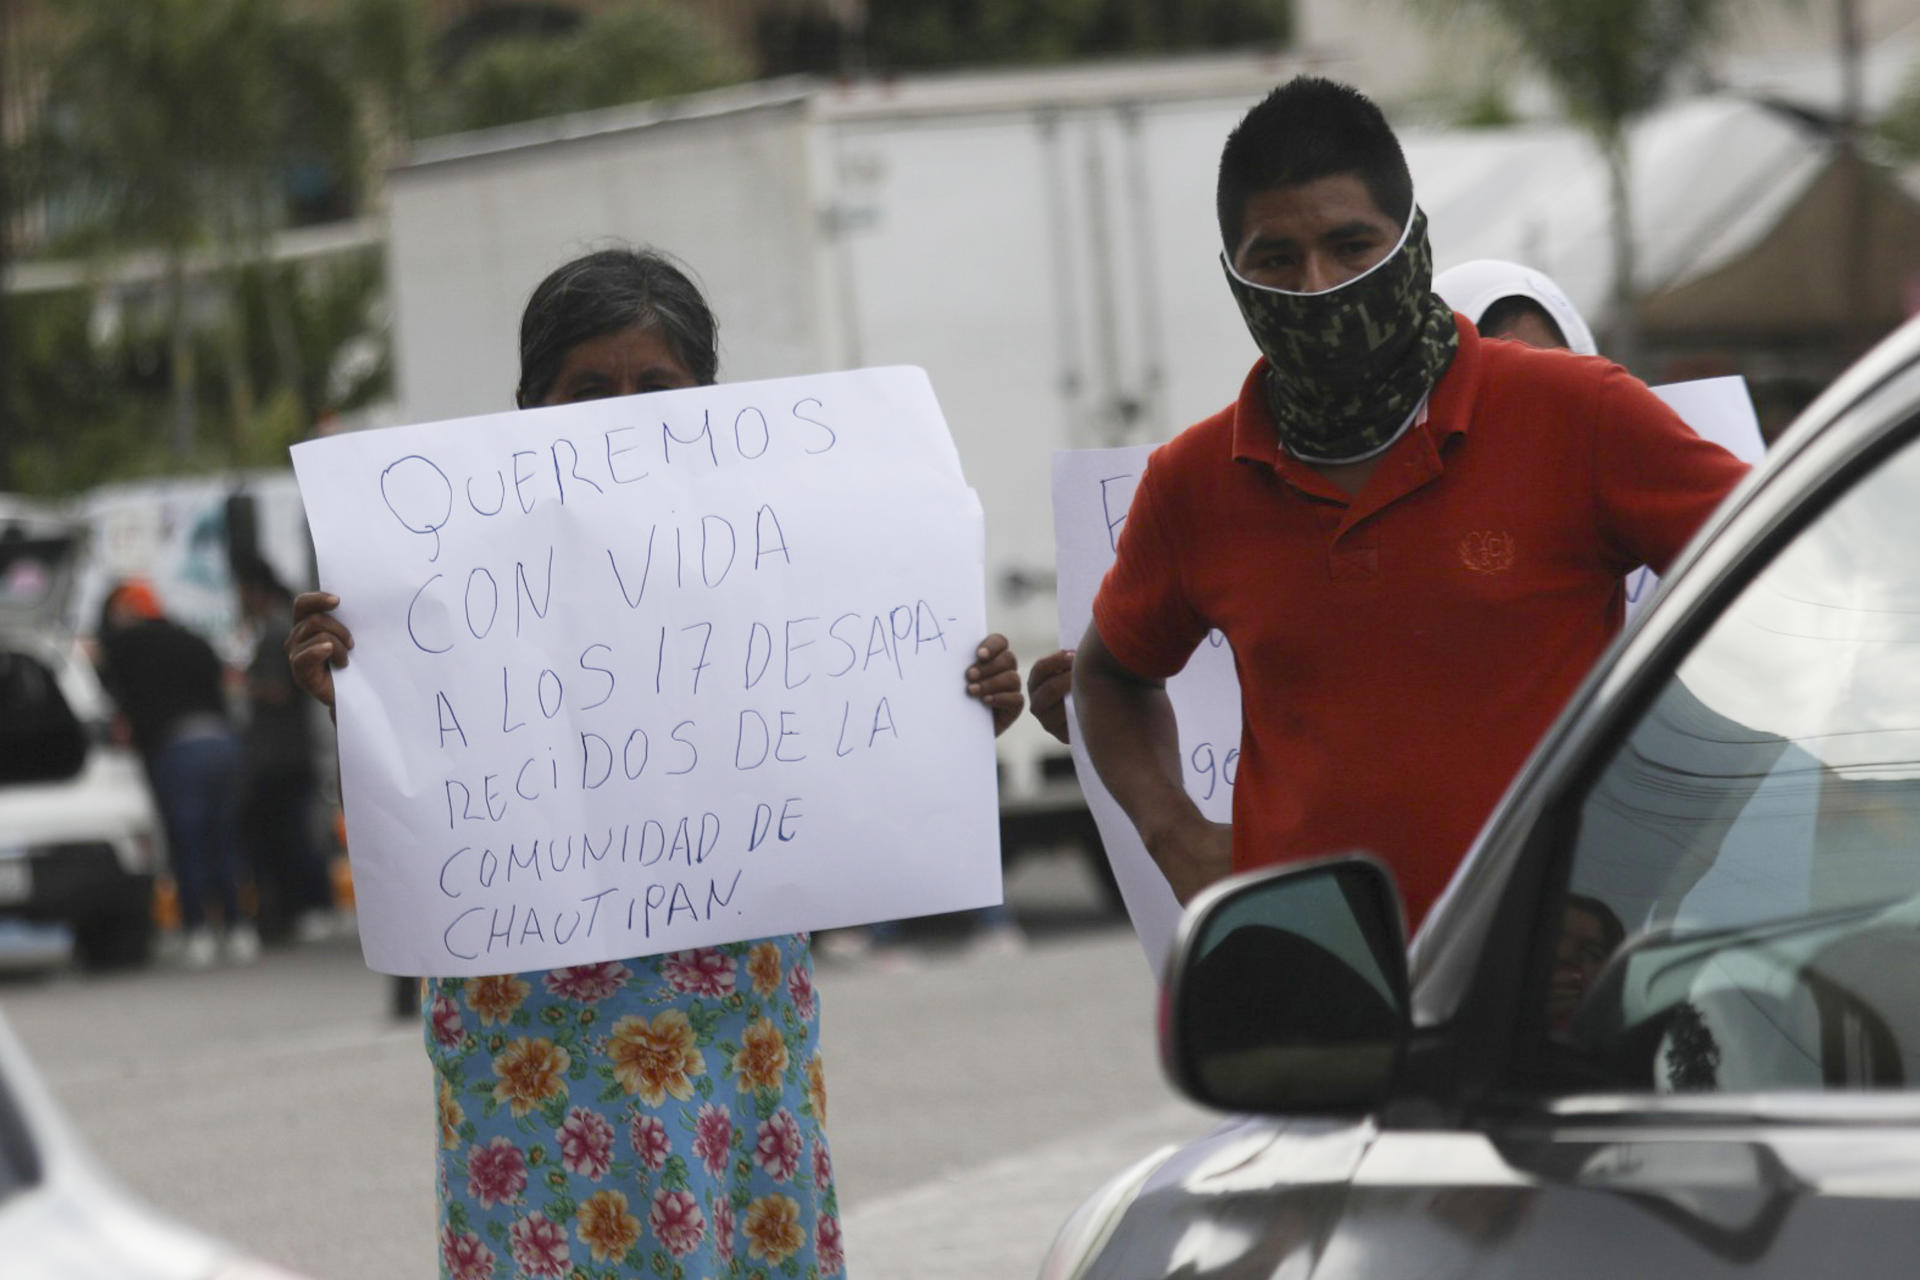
[(1413, 539)]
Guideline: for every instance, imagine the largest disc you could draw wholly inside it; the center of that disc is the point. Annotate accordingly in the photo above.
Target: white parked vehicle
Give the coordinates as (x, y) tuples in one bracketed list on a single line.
[(80, 839)]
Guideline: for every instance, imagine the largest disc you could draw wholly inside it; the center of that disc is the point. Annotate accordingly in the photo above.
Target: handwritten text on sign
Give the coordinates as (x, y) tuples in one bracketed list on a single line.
[(657, 672), (1092, 490)]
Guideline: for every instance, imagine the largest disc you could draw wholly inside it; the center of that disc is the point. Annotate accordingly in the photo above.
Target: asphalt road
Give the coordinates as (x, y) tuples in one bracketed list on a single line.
[(976, 1095)]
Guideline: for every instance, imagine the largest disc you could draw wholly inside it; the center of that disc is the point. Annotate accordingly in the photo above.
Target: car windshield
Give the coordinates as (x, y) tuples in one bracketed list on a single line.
[(40, 739), (1744, 897)]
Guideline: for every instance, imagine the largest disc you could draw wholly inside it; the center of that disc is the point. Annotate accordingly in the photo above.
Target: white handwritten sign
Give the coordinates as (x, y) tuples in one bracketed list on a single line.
[(657, 672), (1092, 490)]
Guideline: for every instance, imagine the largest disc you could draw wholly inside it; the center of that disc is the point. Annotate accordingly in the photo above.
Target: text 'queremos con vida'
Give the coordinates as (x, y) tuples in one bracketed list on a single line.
[(713, 664)]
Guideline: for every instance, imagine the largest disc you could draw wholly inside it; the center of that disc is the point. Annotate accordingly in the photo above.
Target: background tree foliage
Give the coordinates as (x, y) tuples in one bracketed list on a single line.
[(626, 53), (1609, 61), (193, 131), (176, 141), (926, 34), (94, 406), (1899, 129)]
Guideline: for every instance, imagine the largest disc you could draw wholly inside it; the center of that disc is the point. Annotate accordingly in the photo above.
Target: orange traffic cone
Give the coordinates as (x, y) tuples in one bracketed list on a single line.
[(166, 903)]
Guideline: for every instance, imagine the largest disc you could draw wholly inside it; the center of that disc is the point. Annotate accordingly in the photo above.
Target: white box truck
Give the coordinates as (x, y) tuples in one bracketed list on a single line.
[(1043, 243)]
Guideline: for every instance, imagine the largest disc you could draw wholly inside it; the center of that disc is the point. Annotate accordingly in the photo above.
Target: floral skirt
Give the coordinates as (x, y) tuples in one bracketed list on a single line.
[(661, 1117)]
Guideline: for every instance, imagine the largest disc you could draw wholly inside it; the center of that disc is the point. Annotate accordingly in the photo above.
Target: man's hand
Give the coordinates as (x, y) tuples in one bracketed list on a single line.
[(1192, 856), (317, 644), (1049, 681), (994, 678)]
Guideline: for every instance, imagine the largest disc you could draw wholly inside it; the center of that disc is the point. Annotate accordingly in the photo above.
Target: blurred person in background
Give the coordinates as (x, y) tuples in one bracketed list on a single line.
[(290, 872), (614, 323), (168, 683)]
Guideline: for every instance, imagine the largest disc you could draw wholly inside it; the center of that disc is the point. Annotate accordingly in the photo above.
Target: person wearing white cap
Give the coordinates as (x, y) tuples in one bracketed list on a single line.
[(1508, 300)]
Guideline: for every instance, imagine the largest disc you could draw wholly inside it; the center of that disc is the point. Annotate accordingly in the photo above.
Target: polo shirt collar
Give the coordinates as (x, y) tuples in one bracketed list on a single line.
[(1410, 461)]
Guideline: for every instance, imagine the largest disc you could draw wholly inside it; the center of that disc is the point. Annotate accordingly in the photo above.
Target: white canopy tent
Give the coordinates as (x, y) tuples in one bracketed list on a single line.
[(1711, 179)]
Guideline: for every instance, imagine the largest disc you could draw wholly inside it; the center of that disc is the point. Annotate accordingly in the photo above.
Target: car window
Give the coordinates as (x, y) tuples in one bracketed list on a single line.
[(40, 739), (1742, 907)]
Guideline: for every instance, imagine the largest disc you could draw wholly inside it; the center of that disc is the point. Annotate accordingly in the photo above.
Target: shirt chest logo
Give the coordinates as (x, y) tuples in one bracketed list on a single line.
[(1487, 551)]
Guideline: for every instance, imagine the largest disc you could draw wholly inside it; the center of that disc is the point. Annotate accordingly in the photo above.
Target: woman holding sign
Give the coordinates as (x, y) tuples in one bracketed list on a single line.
[(665, 1115)]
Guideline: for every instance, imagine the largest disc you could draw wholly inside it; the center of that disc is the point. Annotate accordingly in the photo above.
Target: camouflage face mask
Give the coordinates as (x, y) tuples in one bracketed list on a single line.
[(1349, 365)]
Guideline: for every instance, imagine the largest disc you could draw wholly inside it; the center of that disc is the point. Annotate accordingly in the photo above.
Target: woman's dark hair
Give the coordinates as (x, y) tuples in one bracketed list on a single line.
[(1505, 312), (605, 292), (1305, 130)]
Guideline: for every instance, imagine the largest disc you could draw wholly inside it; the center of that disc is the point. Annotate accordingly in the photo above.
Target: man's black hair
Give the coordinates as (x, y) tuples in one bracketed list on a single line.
[(1306, 129)]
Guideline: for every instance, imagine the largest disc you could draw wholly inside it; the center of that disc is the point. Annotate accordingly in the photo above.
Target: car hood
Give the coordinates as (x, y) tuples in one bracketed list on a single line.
[(1239, 1202), (1785, 1202), (1261, 1199)]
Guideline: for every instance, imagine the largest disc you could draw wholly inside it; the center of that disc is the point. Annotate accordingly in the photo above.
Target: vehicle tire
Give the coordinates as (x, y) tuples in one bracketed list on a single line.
[(118, 939)]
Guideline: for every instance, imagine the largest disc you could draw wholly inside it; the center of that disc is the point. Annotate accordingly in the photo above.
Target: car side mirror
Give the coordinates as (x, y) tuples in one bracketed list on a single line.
[(1287, 991)]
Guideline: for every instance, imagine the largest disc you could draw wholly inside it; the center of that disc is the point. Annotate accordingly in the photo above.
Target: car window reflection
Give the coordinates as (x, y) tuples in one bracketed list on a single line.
[(1744, 898)]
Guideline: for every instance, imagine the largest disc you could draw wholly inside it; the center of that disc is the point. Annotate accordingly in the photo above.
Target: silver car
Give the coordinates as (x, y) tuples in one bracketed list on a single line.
[(1666, 1021)]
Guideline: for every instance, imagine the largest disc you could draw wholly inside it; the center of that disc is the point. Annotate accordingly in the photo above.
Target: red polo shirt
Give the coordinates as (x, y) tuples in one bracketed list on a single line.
[(1400, 653)]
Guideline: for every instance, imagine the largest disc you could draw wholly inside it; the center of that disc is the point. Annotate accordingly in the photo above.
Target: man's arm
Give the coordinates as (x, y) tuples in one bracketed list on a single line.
[(1127, 724), (1656, 481)]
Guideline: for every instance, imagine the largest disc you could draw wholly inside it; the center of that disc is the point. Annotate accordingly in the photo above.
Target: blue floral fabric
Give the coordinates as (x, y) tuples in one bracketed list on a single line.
[(659, 1117)]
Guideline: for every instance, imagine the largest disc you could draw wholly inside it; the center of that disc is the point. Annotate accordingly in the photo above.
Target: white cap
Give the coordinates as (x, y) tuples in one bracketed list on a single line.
[(1472, 287)]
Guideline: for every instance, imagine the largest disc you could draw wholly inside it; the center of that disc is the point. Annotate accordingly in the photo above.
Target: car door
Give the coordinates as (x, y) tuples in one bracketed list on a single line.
[(1690, 1040)]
